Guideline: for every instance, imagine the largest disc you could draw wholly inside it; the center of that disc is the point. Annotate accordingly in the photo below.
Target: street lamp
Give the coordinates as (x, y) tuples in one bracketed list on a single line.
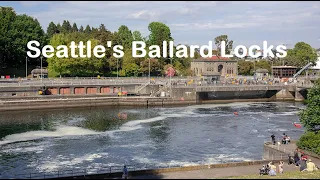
[(41, 68), (149, 71), (26, 67), (117, 69), (170, 77)]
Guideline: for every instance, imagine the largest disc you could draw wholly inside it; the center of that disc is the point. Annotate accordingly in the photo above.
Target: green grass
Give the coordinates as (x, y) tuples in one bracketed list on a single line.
[(287, 175)]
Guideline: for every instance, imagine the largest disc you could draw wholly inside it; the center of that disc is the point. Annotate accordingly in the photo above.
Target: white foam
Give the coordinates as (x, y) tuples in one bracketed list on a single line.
[(59, 132)]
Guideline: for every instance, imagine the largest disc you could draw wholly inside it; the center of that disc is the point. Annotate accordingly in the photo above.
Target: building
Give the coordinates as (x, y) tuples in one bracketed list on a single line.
[(36, 73), (283, 71), (260, 73), (214, 67), (315, 70)]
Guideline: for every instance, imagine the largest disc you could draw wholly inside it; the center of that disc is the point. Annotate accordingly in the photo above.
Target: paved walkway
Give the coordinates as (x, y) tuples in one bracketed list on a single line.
[(224, 172)]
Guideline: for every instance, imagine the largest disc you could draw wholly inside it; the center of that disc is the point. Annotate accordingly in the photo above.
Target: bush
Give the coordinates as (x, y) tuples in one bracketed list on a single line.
[(310, 141)]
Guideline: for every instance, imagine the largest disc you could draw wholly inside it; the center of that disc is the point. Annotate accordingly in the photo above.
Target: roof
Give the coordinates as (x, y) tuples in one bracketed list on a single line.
[(284, 67), (262, 71), (38, 71), (214, 58)]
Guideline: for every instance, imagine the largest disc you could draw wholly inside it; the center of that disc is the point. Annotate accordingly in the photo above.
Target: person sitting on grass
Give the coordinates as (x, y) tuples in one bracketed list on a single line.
[(311, 166), (273, 169)]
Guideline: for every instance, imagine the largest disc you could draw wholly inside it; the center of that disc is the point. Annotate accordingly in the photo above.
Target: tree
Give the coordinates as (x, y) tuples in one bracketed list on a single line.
[(52, 29), (310, 118), (154, 66), (300, 55), (87, 30), (137, 36), (24, 29), (81, 29), (245, 67), (102, 28), (228, 43), (59, 28), (124, 37), (74, 27), (7, 16), (66, 27), (159, 32)]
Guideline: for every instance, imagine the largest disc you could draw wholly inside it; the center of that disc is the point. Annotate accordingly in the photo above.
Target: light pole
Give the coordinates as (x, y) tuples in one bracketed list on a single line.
[(149, 71), (117, 69), (170, 77), (41, 68), (26, 67)]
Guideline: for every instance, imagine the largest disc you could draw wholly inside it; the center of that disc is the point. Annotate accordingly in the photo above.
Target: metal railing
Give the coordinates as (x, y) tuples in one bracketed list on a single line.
[(45, 174)]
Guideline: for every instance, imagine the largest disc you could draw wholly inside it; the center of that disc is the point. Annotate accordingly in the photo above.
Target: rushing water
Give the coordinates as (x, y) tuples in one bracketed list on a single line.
[(45, 141)]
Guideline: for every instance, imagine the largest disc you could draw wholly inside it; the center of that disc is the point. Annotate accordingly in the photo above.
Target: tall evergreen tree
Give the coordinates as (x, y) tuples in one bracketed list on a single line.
[(88, 29), (66, 27), (74, 27), (81, 29), (52, 29), (59, 28)]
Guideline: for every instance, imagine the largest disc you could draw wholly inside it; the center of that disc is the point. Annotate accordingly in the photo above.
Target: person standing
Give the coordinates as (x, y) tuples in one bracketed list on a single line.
[(273, 138), (125, 172), (281, 167), (296, 157)]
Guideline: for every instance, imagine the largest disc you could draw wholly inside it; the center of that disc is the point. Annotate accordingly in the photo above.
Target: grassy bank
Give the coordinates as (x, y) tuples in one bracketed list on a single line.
[(288, 175)]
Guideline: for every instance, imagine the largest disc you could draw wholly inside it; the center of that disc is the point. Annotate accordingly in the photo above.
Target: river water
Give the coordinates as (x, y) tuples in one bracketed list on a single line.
[(51, 140)]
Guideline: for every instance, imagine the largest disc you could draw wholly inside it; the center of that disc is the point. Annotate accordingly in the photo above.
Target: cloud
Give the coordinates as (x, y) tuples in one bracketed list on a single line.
[(294, 21)]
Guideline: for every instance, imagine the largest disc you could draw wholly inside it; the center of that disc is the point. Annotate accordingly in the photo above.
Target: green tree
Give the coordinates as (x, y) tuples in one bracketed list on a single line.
[(59, 28), (124, 37), (81, 29), (245, 67), (7, 16), (88, 29), (154, 66), (159, 32), (310, 118), (74, 27), (52, 29), (66, 27), (228, 43), (24, 29), (137, 36), (300, 55), (263, 64)]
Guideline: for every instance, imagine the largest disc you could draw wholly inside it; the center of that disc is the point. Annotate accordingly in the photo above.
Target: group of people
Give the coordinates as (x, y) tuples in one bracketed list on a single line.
[(285, 139), (271, 169), (301, 161)]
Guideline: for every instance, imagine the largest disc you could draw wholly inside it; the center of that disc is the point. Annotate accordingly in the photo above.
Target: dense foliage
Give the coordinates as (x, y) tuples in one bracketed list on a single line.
[(310, 118)]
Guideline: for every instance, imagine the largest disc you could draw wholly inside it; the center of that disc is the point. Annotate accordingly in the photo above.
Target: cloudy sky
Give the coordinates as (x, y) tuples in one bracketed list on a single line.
[(247, 23)]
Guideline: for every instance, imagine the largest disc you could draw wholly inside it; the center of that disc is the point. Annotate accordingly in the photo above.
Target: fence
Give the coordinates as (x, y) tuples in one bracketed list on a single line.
[(108, 169)]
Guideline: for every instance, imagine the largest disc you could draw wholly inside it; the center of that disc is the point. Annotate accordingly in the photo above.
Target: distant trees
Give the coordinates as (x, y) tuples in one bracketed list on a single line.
[(300, 55)]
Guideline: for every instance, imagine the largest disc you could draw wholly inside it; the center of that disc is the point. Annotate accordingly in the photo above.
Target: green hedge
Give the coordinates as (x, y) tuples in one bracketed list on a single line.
[(310, 141)]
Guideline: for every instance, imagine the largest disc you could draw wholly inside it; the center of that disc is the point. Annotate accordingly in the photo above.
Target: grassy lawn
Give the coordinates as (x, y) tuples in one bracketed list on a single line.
[(288, 175)]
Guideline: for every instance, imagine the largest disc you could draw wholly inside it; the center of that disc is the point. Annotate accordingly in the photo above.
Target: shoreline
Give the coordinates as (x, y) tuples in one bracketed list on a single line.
[(62, 102)]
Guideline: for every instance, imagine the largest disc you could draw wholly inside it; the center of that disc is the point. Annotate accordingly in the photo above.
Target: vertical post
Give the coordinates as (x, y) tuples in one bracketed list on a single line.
[(170, 78), (41, 69), (117, 69), (149, 71), (26, 67)]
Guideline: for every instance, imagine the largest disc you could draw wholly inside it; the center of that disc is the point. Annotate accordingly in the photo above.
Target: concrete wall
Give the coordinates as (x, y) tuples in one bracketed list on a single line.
[(270, 153)]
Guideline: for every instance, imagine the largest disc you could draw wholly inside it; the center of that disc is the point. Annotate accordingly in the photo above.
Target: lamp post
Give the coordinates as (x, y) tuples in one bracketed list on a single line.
[(26, 67), (170, 78), (117, 69), (149, 72), (41, 68)]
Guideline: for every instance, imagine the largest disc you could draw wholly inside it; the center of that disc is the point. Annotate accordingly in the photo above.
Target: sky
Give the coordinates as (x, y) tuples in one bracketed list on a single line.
[(191, 22)]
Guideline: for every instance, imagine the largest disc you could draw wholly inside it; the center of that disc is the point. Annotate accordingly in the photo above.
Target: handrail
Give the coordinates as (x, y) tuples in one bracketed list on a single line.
[(110, 169)]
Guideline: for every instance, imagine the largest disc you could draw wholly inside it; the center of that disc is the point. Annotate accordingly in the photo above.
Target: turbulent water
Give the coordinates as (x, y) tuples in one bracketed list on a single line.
[(46, 141)]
